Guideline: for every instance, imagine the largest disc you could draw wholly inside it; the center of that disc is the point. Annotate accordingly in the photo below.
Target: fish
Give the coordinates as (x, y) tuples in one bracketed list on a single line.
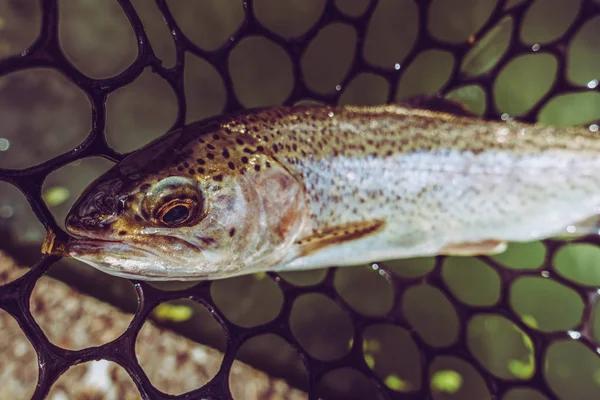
[(313, 186)]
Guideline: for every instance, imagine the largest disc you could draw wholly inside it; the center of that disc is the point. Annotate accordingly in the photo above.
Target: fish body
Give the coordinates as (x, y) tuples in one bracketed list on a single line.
[(291, 188)]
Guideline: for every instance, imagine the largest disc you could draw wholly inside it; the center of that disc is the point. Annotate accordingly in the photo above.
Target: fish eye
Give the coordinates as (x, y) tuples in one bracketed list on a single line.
[(176, 212), (173, 202), (176, 215)]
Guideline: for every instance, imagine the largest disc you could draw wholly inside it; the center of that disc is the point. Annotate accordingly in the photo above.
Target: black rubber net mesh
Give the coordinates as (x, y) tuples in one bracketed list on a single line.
[(533, 372)]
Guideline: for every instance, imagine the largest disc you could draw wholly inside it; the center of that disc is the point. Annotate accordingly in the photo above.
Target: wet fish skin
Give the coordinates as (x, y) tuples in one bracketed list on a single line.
[(312, 186)]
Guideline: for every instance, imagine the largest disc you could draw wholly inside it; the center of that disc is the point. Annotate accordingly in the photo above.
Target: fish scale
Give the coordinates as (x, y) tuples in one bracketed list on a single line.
[(312, 186), (416, 153)]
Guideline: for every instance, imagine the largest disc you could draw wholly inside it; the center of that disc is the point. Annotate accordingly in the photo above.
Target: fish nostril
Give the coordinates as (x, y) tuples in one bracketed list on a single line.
[(98, 208), (72, 223), (75, 223)]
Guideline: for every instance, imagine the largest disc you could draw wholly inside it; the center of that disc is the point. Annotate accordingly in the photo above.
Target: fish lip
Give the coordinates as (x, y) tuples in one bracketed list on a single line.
[(93, 243), (84, 249)]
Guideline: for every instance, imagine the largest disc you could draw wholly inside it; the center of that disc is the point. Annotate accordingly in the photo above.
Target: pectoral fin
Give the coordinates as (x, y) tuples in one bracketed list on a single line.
[(337, 234), (487, 247)]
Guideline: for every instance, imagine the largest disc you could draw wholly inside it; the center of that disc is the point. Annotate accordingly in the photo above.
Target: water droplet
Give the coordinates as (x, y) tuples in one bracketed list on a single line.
[(4, 144), (535, 234), (330, 113), (592, 84), (6, 211), (375, 266), (505, 117), (571, 229), (574, 334), (535, 47), (397, 66), (545, 274), (594, 127), (501, 134), (338, 87)]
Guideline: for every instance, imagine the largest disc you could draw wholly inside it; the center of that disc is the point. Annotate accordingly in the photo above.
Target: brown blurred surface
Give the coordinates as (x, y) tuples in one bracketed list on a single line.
[(71, 320)]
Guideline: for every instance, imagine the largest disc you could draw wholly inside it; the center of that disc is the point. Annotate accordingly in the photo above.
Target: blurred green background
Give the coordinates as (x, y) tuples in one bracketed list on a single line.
[(42, 114)]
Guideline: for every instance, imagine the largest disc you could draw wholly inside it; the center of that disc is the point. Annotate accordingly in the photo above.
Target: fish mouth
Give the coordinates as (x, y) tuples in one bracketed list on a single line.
[(131, 261)]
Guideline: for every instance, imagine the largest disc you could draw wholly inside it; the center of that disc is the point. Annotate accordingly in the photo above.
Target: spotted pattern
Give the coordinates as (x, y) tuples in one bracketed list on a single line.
[(342, 153), (435, 179)]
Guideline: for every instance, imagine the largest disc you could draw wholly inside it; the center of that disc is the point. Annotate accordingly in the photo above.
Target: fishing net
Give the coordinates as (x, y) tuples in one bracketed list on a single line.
[(551, 356)]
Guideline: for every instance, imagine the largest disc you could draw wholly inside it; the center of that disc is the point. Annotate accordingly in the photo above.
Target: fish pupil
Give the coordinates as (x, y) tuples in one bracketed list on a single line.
[(176, 215)]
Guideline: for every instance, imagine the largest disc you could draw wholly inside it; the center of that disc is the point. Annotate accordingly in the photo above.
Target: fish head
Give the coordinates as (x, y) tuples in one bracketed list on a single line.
[(187, 207)]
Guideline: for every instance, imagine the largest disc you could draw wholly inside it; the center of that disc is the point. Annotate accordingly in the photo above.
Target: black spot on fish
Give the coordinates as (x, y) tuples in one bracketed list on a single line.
[(239, 141), (218, 178), (201, 161), (210, 146), (231, 165), (231, 232), (225, 153), (210, 156), (245, 160), (200, 170), (257, 167), (122, 233), (206, 240), (216, 137)]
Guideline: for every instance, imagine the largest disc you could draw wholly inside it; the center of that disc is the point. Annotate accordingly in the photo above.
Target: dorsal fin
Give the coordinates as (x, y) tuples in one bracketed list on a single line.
[(434, 102)]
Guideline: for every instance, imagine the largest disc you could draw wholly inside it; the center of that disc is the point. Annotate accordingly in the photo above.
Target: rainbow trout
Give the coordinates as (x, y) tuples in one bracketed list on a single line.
[(295, 188)]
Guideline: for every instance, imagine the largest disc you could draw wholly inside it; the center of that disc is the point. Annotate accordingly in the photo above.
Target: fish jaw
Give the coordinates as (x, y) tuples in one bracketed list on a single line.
[(114, 258), (143, 262)]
